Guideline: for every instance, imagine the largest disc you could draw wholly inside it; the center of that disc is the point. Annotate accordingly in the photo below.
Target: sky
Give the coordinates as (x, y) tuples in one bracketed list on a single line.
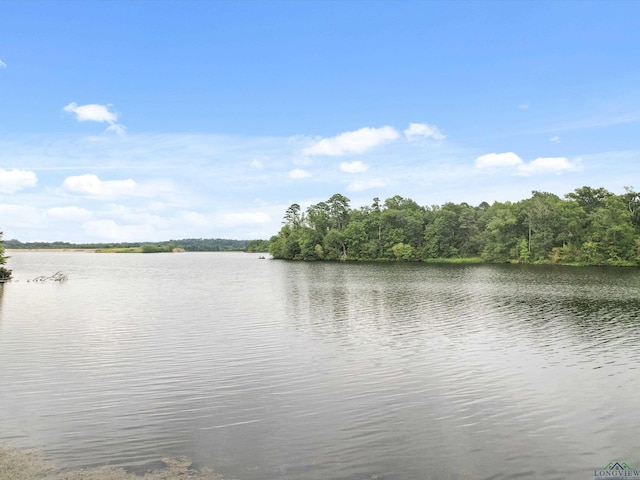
[(126, 121)]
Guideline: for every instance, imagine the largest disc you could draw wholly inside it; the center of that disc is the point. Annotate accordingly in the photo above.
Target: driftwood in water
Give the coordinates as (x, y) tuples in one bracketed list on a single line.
[(56, 277)]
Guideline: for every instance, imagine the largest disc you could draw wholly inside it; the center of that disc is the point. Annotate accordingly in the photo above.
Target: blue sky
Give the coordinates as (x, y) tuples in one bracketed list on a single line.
[(141, 121)]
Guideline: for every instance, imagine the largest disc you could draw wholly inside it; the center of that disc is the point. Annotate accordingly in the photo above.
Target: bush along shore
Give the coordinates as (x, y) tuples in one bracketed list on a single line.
[(589, 226), (5, 273)]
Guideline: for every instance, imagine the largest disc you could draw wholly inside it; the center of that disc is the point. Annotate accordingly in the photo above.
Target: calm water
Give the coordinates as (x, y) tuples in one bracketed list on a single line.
[(265, 369)]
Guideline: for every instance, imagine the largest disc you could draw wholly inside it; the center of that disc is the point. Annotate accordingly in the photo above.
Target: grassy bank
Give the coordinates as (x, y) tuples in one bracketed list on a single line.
[(465, 261), (120, 250)]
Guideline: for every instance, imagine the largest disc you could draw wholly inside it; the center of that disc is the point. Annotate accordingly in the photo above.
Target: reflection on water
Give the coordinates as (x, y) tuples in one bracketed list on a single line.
[(269, 369)]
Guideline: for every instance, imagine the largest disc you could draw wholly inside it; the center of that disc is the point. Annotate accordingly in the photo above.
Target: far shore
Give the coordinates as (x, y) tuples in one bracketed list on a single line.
[(85, 250)]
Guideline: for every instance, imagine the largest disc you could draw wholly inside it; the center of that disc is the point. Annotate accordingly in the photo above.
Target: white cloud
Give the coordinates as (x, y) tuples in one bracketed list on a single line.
[(91, 113), (510, 160), (68, 213), (555, 139), (423, 130), (549, 165), (524, 106), (117, 128), (355, 142), (498, 160), (2, 64), (354, 167), (94, 112), (243, 218), (299, 173), (360, 185), (92, 186), (14, 180)]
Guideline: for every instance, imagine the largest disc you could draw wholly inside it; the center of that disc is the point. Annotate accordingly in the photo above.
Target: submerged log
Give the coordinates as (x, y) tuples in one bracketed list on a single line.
[(56, 277)]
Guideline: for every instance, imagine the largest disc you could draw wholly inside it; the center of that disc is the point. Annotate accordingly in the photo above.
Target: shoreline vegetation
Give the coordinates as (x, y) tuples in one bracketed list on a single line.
[(587, 227), (184, 245), (5, 273)]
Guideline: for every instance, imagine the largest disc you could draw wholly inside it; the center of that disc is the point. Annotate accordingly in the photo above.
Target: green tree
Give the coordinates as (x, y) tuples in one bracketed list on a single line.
[(334, 247), (356, 238), (318, 218), (632, 200), (442, 238), (589, 198), (309, 240), (542, 217), (5, 273), (589, 225), (402, 251), (257, 246), (502, 233), (339, 211), (612, 231), (292, 216)]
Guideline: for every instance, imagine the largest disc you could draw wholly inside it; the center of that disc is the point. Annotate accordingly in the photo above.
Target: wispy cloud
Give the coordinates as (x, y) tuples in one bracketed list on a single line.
[(511, 162), (355, 142), (94, 112), (299, 173), (2, 64), (550, 165), (422, 130), (354, 167), (524, 106), (360, 185), (555, 139)]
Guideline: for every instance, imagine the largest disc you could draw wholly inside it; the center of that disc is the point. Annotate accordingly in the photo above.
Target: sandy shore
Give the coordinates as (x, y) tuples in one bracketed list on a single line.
[(21, 464)]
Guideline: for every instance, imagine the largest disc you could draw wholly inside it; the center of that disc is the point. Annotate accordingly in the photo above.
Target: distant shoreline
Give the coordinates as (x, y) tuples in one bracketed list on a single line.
[(80, 250)]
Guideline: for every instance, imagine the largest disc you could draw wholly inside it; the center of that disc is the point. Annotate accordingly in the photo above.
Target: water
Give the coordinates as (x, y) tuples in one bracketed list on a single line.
[(265, 369)]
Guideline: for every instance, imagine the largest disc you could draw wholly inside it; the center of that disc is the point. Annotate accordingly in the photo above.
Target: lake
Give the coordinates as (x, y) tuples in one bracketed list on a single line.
[(265, 369)]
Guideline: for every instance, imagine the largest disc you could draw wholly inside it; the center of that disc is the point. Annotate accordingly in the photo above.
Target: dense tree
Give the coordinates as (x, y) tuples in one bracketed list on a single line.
[(257, 246), (5, 273), (293, 217), (588, 226), (189, 244)]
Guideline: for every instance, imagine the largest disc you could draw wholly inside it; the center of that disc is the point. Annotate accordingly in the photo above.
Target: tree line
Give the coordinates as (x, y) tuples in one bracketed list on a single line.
[(5, 273), (589, 226), (188, 244)]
